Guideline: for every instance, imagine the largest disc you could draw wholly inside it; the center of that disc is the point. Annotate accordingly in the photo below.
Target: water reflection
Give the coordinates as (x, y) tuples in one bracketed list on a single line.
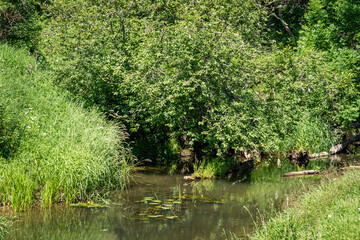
[(205, 209), (168, 207)]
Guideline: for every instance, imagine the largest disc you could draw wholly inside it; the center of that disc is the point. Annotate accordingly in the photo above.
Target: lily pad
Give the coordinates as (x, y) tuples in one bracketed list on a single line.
[(87, 205), (155, 216), (148, 198)]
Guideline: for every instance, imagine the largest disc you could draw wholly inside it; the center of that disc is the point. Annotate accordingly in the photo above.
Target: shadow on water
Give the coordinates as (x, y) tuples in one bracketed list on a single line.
[(169, 207)]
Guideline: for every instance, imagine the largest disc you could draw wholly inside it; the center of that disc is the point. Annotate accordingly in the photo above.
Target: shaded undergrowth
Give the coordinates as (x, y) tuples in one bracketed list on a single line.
[(51, 149)]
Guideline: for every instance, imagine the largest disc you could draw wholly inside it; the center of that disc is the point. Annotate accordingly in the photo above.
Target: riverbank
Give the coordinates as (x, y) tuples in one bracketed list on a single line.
[(52, 149), (330, 211)]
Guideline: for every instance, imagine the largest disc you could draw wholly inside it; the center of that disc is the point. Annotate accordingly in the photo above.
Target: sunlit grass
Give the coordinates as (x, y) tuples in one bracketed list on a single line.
[(58, 151), (330, 211)]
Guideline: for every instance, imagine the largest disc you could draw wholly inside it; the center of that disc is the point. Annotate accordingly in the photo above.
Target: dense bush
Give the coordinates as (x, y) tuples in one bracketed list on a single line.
[(157, 66), (205, 74)]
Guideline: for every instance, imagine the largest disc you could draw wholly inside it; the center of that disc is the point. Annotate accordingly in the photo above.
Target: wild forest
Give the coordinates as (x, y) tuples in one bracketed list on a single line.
[(90, 89)]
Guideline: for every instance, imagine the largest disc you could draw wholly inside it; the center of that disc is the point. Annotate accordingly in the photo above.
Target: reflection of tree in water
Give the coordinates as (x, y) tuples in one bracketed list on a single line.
[(204, 209), (199, 187)]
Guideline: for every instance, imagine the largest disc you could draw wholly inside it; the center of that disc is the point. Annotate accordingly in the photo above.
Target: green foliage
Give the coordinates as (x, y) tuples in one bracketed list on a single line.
[(62, 152), (332, 23), (142, 63), (311, 134), (9, 134), (333, 27), (202, 73), (199, 73), (204, 170), (213, 167)]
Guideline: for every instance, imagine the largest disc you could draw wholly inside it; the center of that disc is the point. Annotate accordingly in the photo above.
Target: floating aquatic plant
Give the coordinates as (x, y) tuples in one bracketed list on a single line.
[(169, 208), (88, 205)]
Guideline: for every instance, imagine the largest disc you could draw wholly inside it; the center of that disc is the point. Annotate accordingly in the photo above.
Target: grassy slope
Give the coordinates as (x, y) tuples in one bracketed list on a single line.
[(60, 152), (330, 211)]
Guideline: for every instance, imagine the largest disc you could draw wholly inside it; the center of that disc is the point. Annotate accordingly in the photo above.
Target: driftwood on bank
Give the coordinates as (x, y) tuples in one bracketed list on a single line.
[(319, 155), (300, 173)]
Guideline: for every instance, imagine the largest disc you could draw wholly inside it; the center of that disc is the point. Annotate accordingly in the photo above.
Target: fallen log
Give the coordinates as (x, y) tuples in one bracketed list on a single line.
[(339, 147), (189, 178), (300, 173), (319, 155)]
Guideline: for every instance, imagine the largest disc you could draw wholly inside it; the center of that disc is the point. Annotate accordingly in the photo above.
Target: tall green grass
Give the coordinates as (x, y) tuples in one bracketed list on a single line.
[(331, 211), (311, 134), (55, 149)]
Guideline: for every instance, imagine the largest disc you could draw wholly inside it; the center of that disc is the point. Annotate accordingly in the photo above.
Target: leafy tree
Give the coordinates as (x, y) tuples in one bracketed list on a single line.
[(156, 65), (201, 76), (333, 26)]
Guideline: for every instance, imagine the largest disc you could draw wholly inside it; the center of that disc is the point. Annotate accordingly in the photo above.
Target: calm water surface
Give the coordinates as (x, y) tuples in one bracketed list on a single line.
[(168, 207)]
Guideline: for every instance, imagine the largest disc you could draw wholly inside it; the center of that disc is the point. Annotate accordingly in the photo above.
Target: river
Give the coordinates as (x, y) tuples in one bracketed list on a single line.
[(160, 206)]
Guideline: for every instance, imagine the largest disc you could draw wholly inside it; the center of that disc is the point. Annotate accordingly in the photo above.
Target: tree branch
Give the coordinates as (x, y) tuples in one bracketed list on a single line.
[(286, 26)]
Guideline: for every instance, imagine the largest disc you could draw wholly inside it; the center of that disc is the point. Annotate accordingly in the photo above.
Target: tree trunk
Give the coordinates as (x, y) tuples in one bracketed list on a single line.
[(319, 155)]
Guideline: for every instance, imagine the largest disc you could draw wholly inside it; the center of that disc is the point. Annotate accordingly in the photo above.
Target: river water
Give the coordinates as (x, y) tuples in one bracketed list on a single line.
[(168, 207)]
